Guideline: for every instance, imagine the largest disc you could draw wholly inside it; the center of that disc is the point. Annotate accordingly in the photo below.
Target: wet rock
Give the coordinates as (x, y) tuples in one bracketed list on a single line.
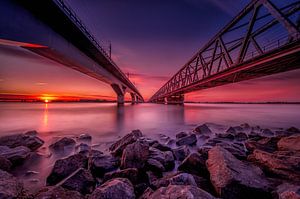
[(267, 132), (10, 187), (228, 136), (104, 163), (57, 193), (181, 135), (241, 136), (233, 178), (81, 181), (255, 136), (31, 133), (187, 140), (166, 158), (139, 189), (118, 188), (5, 164), (15, 155), (82, 148), (265, 144), (195, 163), (204, 183), (245, 126), (155, 166), (161, 147), (135, 155), (203, 129), (238, 128), (291, 143), (284, 164), (85, 137), (65, 167), (288, 191), (293, 130), (235, 149), (231, 130), (147, 193), (30, 141), (131, 174), (177, 179), (147, 140), (180, 191), (181, 152), (118, 147), (62, 144)]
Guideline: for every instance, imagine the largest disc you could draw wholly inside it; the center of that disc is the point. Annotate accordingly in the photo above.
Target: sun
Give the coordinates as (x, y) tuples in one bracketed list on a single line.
[(46, 100)]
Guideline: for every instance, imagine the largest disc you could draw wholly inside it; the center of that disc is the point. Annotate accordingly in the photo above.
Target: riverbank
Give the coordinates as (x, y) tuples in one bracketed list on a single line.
[(229, 162)]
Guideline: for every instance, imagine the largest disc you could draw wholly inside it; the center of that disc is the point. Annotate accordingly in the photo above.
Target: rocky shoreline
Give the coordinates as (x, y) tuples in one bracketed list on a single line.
[(239, 162)]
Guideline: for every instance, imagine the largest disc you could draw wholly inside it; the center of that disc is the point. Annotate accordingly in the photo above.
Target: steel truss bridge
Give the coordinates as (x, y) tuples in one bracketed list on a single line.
[(263, 39)]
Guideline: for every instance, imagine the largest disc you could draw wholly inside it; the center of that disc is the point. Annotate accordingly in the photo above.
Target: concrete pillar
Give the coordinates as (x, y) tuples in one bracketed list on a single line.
[(120, 93), (175, 99), (134, 98)]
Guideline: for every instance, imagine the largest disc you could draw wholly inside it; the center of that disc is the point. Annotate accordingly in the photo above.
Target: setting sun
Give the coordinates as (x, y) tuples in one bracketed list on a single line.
[(46, 101)]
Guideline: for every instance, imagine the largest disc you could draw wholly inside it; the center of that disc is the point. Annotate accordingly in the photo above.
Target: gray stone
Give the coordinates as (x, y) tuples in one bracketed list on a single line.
[(10, 187), (187, 140), (57, 193), (291, 143), (135, 155), (177, 179), (15, 155), (161, 147), (30, 141), (102, 164), (85, 137), (181, 135), (155, 166), (203, 129), (5, 164), (181, 152), (288, 191), (118, 188), (62, 144), (131, 174), (166, 158), (195, 163)]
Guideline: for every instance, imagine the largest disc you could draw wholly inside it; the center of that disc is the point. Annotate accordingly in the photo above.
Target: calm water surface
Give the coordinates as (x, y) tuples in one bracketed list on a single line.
[(107, 122)]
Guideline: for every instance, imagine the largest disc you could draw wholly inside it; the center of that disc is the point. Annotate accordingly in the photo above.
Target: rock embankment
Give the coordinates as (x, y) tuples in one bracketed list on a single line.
[(240, 162)]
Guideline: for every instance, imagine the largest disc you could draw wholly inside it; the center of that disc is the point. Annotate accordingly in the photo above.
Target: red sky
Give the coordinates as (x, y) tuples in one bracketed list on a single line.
[(151, 43)]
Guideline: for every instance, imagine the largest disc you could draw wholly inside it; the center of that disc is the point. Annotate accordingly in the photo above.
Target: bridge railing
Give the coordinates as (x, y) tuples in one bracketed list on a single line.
[(251, 34)]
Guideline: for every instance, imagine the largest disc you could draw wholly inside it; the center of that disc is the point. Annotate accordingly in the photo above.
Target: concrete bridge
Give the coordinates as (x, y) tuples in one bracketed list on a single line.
[(53, 30), (263, 39)]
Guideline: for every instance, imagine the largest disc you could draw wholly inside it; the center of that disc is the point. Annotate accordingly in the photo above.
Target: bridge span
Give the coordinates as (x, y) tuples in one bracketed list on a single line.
[(263, 39), (50, 28)]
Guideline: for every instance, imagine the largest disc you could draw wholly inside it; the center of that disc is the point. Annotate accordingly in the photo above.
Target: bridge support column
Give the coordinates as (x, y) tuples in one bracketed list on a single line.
[(175, 99), (134, 98), (120, 93)]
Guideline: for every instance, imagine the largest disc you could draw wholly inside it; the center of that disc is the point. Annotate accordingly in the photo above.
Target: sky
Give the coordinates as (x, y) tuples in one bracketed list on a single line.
[(151, 40)]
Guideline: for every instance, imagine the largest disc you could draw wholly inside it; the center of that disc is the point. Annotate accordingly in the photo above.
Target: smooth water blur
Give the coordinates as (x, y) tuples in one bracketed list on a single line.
[(107, 122)]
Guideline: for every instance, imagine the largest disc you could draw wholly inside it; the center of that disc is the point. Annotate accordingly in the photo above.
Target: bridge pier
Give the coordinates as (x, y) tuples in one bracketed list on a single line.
[(120, 91), (134, 98), (175, 99)]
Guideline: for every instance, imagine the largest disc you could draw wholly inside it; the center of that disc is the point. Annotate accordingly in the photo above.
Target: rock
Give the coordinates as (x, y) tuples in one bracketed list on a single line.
[(288, 191), (15, 155), (233, 178), (204, 184), (5, 164), (131, 174), (65, 167), (57, 193), (166, 158), (155, 166), (31, 133), (291, 143), (180, 192), (235, 149), (231, 130), (241, 136), (62, 144), (139, 189), (30, 141), (10, 187), (148, 140), (135, 155), (82, 148), (267, 132), (118, 188), (147, 193), (203, 129), (152, 177), (85, 137), (245, 126), (81, 181), (284, 164), (238, 128), (177, 179), (118, 147), (194, 164), (293, 130), (104, 163), (161, 147), (265, 144), (181, 152), (187, 140), (181, 135), (228, 136)]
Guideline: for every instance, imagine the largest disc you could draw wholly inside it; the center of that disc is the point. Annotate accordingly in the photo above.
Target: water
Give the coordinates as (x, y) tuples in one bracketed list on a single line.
[(107, 122)]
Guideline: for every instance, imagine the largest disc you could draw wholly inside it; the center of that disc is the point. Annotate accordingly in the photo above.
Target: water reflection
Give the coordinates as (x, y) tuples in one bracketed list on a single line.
[(45, 120)]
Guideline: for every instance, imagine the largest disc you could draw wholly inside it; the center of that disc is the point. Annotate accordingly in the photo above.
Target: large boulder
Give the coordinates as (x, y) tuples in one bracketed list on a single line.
[(233, 178), (154, 165), (5, 164), (28, 140), (195, 163), (131, 174), (203, 129), (15, 155), (284, 164), (102, 164), (291, 143), (117, 188), (265, 144), (177, 179), (81, 181), (63, 144), (135, 155), (181, 152), (161, 147), (65, 167), (166, 158), (180, 192), (288, 191), (57, 193), (10, 187), (118, 147), (187, 140)]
